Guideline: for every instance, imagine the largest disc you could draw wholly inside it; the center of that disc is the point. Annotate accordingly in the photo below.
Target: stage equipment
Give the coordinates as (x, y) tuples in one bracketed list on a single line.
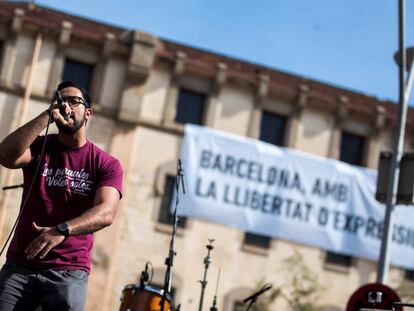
[(213, 307), (207, 262), (402, 304), (253, 298), (58, 98), (143, 298), (12, 187), (170, 259), (373, 296)]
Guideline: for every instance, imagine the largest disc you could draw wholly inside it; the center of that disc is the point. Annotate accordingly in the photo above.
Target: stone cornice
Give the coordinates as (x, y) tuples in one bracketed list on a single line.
[(203, 62)]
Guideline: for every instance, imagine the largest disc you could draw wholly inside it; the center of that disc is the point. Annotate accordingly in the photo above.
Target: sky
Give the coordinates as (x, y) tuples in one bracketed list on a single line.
[(346, 43)]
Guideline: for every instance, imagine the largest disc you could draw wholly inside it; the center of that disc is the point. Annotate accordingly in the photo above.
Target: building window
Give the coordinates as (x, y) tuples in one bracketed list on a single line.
[(338, 259), (352, 148), (165, 216), (257, 240), (78, 72), (190, 107), (409, 275), (272, 128)]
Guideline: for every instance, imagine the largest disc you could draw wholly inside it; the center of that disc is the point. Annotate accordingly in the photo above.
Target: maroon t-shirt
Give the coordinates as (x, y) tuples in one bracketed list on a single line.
[(64, 189)]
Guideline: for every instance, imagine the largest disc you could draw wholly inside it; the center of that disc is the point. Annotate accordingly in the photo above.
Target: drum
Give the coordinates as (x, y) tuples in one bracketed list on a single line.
[(143, 298)]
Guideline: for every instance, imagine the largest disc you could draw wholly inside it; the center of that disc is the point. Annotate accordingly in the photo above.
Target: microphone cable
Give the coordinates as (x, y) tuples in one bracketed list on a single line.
[(33, 181)]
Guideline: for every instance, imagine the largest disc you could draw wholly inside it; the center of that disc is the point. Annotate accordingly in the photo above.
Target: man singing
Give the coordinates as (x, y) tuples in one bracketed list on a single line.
[(75, 192)]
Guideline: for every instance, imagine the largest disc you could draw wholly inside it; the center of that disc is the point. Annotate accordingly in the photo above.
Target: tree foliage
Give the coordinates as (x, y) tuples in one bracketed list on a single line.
[(265, 301), (301, 289), (405, 290)]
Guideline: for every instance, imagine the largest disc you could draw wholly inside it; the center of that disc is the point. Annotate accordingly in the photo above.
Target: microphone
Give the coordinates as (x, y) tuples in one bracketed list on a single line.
[(144, 276), (59, 100), (181, 174), (265, 288)]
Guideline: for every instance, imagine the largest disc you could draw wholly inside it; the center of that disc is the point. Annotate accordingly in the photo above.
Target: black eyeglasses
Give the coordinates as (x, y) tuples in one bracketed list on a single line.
[(73, 101)]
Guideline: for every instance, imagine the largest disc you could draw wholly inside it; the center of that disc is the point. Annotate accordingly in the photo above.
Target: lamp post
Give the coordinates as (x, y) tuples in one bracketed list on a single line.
[(404, 94), (410, 69)]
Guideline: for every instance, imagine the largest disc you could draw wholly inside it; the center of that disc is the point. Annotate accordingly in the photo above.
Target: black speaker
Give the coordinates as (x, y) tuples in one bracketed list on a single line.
[(405, 192)]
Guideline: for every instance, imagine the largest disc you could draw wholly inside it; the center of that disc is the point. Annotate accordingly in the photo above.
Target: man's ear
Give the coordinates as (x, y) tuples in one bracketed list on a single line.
[(88, 113)]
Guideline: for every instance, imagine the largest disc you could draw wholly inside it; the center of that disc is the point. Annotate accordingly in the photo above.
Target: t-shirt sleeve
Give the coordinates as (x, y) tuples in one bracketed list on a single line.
[(111, 175)]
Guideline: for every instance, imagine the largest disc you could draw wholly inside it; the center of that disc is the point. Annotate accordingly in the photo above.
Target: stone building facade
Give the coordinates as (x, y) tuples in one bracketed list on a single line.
[(142, 87)]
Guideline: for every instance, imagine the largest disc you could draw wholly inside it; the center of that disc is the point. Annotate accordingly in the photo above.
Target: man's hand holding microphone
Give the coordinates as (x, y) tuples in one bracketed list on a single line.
[(60, 109)]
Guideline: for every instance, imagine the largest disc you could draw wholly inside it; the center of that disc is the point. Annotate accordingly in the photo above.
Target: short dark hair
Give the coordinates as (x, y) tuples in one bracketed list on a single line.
[(85, 95)]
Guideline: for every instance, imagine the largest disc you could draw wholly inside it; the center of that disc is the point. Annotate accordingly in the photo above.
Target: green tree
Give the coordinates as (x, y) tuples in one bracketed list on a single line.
[(264, 301), (405, 290), (301, 289)]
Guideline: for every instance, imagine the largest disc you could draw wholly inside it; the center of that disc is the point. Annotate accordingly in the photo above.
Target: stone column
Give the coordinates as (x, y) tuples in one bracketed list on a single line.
[(19, 120), (9, 55), (340, 115), (100, 70), (372, 149), (255, 115), (172, 93), (220, 79), (140, 63), (294, 120), (58, 63)]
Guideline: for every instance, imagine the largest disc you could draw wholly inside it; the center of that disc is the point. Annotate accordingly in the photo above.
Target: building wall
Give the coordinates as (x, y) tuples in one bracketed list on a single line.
[(113, 79), (315, 132), (156, 91), (148, 143), (235, 106)]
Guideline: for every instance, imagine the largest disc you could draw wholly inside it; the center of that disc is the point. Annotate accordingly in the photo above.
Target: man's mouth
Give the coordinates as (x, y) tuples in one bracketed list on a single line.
[(69, 121)]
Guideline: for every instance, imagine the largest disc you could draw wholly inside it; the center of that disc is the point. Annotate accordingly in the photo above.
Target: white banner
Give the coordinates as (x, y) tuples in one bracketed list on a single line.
[(287, 194)]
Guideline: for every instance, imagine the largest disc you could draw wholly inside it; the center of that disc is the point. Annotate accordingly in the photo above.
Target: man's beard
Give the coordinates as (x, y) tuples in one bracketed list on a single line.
[(71, 129)]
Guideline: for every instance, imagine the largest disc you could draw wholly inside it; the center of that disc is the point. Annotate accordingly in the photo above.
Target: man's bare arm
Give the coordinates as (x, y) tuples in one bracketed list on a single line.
[(99, 216), (15, 148)]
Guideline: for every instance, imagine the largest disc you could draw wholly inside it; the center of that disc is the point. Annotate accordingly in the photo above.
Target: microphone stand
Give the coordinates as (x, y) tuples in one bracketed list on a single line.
[(207, 261), (253, 298), (12, 187), (252, 302), (170, 259), (401, 304), (213, 307)]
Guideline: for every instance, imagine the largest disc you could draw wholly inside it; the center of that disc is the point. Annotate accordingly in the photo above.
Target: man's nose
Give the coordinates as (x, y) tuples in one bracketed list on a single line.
[(66, 108)]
